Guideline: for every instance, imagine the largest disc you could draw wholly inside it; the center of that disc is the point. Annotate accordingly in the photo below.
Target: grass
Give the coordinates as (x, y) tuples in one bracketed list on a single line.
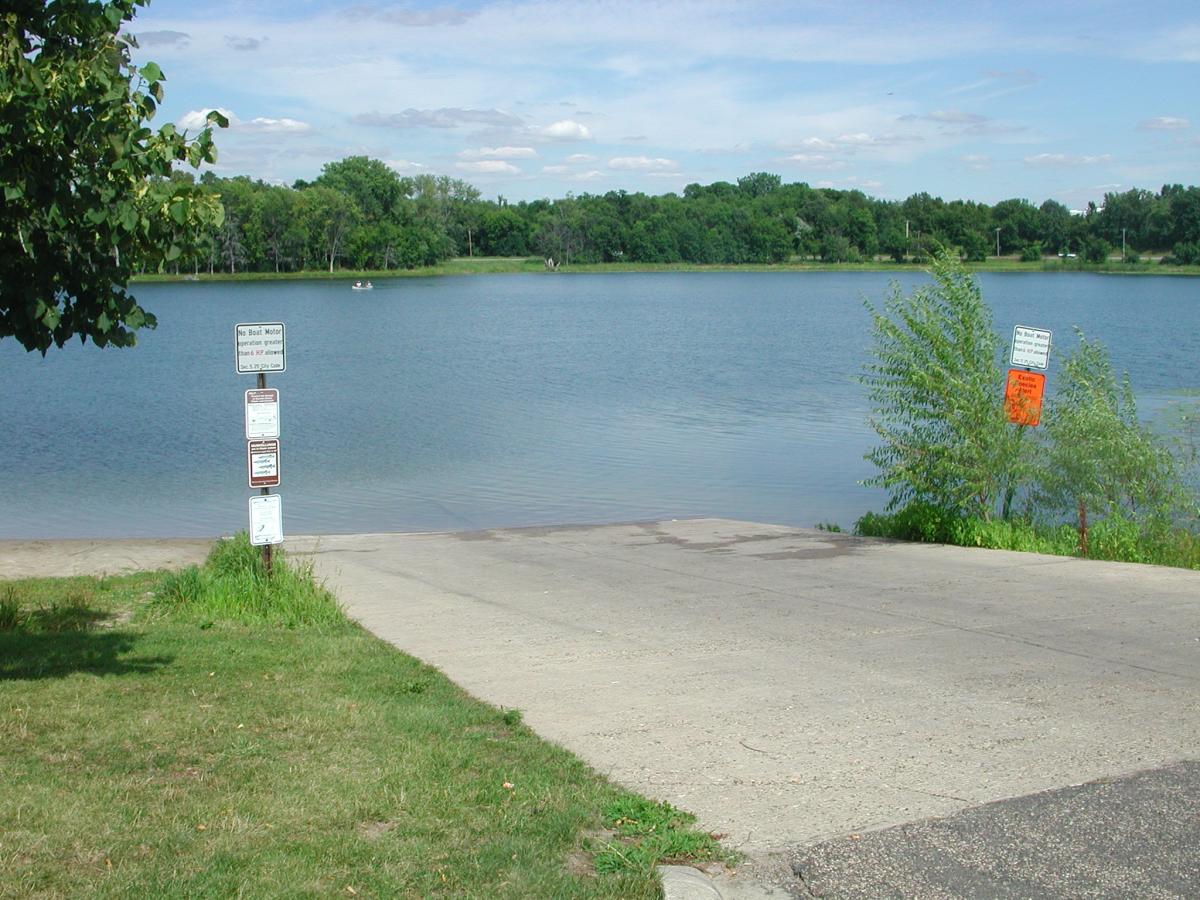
[(1112, 538), (161, 737), (481, 265)]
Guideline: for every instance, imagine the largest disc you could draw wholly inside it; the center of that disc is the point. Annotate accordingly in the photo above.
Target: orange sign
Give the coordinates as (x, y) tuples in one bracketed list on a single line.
[(1023, 396)]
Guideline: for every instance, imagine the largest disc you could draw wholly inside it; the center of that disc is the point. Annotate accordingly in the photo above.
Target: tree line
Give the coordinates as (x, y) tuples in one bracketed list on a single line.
[(360, 214)]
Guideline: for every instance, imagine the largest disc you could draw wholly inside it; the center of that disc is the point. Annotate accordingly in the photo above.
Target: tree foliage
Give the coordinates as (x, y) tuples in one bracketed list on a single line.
[(402, 221), (934, 387), (86, 188), (1097, 460)]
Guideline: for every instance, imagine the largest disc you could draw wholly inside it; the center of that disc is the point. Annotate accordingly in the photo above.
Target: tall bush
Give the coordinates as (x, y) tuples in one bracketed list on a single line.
[(934, 383), (1098, 460)]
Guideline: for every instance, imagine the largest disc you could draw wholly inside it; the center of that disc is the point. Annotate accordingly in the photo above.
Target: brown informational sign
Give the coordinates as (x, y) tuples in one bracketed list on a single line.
[(263, 460), (1023, 396)]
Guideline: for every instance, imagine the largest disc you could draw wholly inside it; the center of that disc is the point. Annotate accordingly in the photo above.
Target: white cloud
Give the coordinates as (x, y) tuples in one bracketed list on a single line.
[(1164, 123), (273, 126), (244, 44), (178, 39), (197, 119), (405, 167), (445, 117), (499, 153), (566, 130), (489, 167), (977, 162), (852, 182), (863, 139), (408, 18), (642, 164), (1065, 159), (556, 170), (814, 161), (739, 149), (955, 117), (581, 158)]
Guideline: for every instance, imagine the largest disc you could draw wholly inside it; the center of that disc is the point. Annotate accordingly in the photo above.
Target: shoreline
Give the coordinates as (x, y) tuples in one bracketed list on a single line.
[(535, 266)]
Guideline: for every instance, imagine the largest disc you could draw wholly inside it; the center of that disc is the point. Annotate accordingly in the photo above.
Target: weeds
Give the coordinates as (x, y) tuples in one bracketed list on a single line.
[(11, 614), (1115, 538), (233, 587), (647, 833)]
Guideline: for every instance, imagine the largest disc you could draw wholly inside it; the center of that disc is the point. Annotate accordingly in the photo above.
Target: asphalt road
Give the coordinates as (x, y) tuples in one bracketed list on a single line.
[(1133, 836)]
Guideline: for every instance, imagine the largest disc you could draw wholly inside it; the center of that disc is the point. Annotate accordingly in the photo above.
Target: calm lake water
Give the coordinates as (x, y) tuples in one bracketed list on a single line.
[(463, 403)]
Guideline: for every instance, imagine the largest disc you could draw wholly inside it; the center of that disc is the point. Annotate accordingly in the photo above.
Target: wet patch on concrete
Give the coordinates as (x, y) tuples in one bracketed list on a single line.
[(467, 536), (662, 537), (827, 546), (842, 547)]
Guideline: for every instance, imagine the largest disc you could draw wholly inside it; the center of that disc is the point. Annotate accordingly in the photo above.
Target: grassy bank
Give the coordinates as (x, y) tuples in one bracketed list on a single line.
[(1113, 538), (209, 734), (531, 265)]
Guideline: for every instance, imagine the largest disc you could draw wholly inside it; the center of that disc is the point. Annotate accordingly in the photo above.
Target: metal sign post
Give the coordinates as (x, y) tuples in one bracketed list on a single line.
[(259, 348)]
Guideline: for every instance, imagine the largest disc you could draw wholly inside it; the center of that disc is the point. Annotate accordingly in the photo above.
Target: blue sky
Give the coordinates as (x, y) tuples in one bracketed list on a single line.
[(982, 101)]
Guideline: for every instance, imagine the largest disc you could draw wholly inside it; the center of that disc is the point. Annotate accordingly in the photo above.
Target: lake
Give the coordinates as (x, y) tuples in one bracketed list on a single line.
[(486, 401)]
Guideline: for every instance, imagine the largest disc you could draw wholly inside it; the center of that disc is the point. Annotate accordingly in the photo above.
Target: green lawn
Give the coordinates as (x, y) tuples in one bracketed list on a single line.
[(152, 745)]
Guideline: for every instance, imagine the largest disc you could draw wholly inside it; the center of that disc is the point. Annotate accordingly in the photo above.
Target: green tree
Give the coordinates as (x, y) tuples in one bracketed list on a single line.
[(277, 222), (86, 193), (934, 384), (974, 247), (1096, 250), (1099, 461), (375, 188), (329, 216)]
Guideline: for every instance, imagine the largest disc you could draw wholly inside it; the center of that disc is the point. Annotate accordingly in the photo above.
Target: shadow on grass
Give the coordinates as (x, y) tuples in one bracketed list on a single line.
[(27, 655)]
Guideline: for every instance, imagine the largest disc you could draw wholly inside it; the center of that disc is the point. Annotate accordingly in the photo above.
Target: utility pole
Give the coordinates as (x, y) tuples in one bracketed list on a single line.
[(997, 242), (1122, 243)]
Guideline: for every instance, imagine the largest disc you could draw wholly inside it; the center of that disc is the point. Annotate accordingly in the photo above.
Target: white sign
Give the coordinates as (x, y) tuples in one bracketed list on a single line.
[(266, 520), (262, 413), (259, 347), (1030, 347), (263, 463)]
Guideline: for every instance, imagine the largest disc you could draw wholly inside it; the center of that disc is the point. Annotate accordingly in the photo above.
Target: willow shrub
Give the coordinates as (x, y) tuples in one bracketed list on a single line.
[(1097, 461), (933, 383)]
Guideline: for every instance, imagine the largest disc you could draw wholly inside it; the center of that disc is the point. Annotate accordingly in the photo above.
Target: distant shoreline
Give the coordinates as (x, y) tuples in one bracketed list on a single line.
[(533, 265)]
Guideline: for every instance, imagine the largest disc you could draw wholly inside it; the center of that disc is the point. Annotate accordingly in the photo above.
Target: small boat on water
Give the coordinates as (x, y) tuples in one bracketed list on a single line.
[(361, 286)]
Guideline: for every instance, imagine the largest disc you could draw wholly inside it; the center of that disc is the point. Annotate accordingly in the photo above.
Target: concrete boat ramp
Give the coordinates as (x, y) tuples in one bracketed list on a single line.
[(791, 686)]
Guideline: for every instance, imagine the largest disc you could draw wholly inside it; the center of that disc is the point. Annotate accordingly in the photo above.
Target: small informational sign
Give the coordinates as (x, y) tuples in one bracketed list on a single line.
[(1023, 396), (259, 347), (266, 519), (1030, 347), (262, 413), (263, 462)]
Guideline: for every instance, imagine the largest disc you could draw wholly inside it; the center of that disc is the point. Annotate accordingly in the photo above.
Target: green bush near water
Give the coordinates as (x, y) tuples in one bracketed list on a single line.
[(1114, 538), (959, 472)]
